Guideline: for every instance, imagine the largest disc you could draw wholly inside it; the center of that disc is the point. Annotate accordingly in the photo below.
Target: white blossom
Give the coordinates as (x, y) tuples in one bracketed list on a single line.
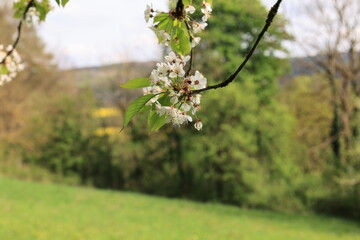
[(166, 38), (174, 97), (31, 14), (195, 41), (148, 12), (177, 59), (198, 124), (189, 9), (198, 81), (179, 117), (11, 64), (206, 10), (198, 27), (176, 70), (186, 107), (197, 99), (152, 90), (171, 57), (163, 69)]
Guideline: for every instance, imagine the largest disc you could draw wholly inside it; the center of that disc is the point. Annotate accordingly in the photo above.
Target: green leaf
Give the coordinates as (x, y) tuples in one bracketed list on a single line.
[(19, 8), (187, 2), (156, 121), (43, 8), (137, 83), (165, 100), (64, 2), (136, 107), (180, 41), (3, 69), (160, 17), (166, 24)]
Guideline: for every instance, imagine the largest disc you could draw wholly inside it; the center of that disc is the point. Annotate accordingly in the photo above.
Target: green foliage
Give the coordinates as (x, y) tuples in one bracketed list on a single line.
[(135, 107), (180, 38), (155, 121), (136, 83), (326, 187), (249, 151), (62, 2), (187, 2), (230, 35), (66, 145), (309, 101), (177, 29), (3, 69), (43, 7)]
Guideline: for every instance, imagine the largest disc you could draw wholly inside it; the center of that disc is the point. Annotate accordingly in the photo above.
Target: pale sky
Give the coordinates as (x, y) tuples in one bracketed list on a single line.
[(96, 32)]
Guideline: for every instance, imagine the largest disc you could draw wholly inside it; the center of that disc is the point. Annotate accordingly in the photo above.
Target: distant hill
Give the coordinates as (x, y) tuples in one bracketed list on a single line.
[(105, 80), (123, 72)]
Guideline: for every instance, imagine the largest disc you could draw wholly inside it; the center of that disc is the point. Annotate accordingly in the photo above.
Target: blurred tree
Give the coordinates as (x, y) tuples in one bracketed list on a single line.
[(334, 38), (310, 102), (339, 58), (38, 80)]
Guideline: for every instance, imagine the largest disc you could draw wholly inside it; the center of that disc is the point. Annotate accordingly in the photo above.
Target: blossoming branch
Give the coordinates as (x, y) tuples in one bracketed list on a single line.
[(168, 90)]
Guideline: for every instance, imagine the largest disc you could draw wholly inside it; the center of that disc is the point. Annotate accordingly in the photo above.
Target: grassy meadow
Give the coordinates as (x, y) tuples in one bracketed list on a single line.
[(41, 211)]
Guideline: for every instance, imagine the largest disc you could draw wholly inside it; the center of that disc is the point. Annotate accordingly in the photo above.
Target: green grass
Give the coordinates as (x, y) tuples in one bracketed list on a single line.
[(33, 211)]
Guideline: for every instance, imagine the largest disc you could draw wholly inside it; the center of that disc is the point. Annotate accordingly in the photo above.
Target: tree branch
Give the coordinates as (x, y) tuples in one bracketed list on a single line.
[(17, 39), (179, 11), (272, 13)]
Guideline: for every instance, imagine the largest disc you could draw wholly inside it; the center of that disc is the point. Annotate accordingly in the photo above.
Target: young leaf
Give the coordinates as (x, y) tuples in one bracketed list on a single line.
[(64, 2), (43, 9), (160, 17), (136, 107), (187, 2), (165, 24), (156, 121), (137, 83), (180, 41), (165, 100), (3, 69)]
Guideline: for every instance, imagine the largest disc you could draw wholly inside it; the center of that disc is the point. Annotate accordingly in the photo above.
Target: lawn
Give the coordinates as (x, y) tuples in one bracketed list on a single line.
[(34, 211)]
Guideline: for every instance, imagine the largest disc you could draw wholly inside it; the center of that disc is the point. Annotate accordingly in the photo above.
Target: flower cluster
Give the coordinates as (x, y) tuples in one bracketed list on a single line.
[(172, 90), (193, 26), (31, 14), (28, 11), (169, 80), (11, 64)]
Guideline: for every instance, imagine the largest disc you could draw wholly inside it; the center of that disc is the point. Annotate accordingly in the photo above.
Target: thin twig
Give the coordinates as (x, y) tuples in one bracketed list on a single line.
[(191, 53), (190, 63), (272, 13), (16, 42)]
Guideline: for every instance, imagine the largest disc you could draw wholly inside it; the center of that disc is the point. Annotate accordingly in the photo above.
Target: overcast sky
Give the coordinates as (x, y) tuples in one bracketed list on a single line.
[(94, 32)]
